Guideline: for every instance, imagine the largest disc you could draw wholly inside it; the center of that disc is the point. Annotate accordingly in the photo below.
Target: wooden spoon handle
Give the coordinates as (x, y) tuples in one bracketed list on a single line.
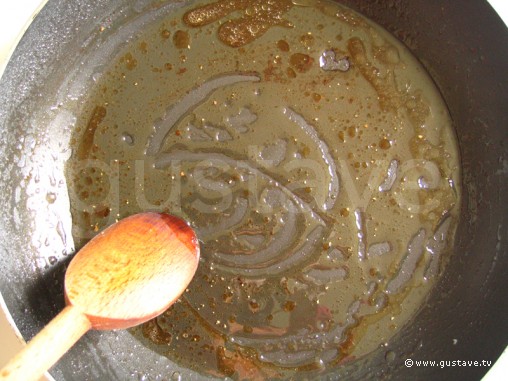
[(44, 350)]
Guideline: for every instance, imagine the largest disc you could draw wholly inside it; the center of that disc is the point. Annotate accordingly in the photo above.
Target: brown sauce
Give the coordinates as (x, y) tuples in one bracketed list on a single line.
[(313, 155)]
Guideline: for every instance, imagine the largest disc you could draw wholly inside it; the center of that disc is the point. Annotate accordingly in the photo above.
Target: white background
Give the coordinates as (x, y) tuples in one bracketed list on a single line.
[(15, 16)]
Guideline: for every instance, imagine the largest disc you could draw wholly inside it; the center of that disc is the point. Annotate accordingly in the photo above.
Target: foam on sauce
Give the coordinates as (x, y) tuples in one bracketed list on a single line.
[(312, 154)]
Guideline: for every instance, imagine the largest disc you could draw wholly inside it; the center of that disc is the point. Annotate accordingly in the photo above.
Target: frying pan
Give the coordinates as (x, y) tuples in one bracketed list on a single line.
[(463, 45)]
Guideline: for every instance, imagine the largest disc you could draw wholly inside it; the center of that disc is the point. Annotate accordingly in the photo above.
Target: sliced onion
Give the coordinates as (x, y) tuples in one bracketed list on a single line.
[(253, 241), (333, 185), (274, 349), (281, 241), (334, 255), (197, 135), (390, 178), (165, 160), (408, 266), (328, 62), (274, 197), (217, 134), (361, 233), (239, 122), (226, 222), (294, 258), (381, 302), (436, 245), (301, 254), (213, 185), (187, 103), (204, 176), (377, 249), (322, 277), (371, 287), (284, 358), (271, 260), (274, 154)]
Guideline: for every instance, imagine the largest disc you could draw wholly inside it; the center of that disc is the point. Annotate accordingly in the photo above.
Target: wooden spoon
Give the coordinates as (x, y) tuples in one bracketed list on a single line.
[(128, 274)]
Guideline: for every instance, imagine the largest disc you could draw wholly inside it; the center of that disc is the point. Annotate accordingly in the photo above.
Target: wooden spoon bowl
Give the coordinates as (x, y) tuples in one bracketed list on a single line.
[(126, 275)]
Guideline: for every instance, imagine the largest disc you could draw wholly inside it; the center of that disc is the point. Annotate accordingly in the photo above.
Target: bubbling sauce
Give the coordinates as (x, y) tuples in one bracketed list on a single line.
[(312, 154)]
